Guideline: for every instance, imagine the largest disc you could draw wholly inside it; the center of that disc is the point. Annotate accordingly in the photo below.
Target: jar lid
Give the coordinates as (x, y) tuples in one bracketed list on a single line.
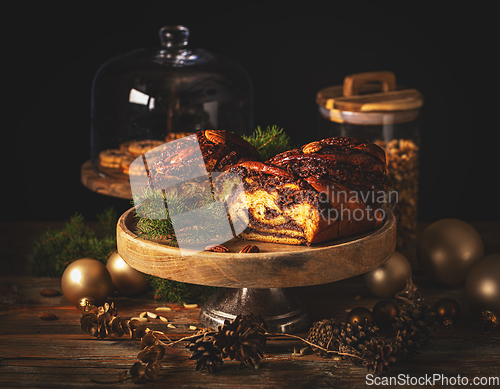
[(369, 98)]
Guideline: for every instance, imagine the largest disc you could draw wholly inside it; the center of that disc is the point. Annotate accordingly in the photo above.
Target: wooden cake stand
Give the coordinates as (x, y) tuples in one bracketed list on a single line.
[(256, 282)]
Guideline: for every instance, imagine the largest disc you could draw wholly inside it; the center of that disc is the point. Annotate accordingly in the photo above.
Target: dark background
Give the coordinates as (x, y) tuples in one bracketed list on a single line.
[(53, 52)]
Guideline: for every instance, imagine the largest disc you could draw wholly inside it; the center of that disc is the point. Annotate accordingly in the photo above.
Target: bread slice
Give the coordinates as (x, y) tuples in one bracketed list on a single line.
[(328, 189)]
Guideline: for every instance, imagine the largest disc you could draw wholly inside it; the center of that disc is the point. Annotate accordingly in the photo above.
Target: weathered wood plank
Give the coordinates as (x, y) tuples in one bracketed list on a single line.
[(58, 354)]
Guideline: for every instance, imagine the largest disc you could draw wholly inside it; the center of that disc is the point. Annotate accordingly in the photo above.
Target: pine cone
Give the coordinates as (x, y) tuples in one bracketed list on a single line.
[(242, 339), (206, 354), (324, 333), (378, 356), (102, 322), (141, 373), (97, 321), (340, 337), (353, 337), (413, 328)]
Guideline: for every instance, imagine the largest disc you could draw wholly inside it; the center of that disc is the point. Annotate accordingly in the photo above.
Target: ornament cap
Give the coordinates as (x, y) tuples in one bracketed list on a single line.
[(85, 303), (489, 321), (448, 324)]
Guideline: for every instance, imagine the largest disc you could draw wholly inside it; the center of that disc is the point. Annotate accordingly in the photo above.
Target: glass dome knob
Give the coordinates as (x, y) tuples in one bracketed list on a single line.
[(174, 36)]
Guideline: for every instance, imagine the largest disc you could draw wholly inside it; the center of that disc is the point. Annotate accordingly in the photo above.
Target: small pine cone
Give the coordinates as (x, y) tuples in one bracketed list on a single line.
[(353, 337), (108, 308), (140, 373), (378, 356), (413, 328), (100, 321), (242, 339), (151, 354), (206, 354), (325, 334), (119, 327), (88, 321), (137, 330)]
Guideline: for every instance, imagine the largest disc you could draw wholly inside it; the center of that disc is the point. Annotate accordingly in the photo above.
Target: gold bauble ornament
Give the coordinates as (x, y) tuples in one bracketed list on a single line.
[(126, 279), (482, 285), (447, 250), (359, 316), (388, 279), (385, 312), (86, 278)]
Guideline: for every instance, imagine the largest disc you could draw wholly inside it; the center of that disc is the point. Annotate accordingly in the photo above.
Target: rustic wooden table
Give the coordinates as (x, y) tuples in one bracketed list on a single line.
[(58, 354)]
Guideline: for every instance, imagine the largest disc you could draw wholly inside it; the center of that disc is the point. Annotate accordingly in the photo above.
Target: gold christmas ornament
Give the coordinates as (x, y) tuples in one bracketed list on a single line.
[(482, 285), (86, 278), (385, 312), (447, 250), (126, 279), (359, 316), (448, 312), (388, 279)]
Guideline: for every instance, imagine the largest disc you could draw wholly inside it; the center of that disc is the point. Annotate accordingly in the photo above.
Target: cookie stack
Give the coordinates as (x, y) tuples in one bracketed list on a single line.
[(121, 159)]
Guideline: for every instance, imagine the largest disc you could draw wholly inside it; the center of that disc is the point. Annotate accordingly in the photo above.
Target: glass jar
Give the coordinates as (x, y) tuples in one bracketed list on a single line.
[(371, 106), (149, 96)]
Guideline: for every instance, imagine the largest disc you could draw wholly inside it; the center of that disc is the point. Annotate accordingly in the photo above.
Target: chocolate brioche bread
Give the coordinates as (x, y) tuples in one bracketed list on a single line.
[(324, 190)]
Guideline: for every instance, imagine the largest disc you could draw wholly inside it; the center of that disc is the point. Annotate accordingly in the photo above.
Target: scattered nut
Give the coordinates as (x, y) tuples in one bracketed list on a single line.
[(163, 309), (190, 306), (141, 319), (162, 318), (250, 248), (48, 292), (217, 248), (170, 325), (152, 315), (47, 316), (192, 328), (402, 194), (143, 314)]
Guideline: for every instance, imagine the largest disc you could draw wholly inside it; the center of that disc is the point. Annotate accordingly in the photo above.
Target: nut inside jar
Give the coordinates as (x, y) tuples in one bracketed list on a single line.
[(402, 171)]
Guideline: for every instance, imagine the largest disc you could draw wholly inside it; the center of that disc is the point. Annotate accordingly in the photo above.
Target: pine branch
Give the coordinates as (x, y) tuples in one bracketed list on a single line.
[(55, 249), (269, 142), (202, 219)]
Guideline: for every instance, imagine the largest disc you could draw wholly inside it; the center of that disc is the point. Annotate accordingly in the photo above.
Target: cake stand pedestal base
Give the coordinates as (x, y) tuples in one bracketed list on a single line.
[(277, 306)]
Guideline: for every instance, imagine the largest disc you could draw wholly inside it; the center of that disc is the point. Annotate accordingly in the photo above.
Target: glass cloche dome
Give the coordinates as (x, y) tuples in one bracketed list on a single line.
[(151, 96)]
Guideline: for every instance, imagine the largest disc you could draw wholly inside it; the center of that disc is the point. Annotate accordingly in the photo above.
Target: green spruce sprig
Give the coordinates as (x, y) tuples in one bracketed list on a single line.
[(270, 142), (56, 248), (200, 218)]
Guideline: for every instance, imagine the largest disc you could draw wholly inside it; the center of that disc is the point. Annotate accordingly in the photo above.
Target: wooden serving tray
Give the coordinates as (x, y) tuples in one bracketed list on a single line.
[(110, 183), (275, 266)]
